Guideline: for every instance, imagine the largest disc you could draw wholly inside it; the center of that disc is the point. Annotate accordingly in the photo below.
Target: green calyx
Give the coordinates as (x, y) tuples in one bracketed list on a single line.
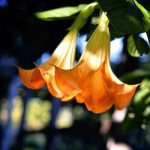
[(81, 19)]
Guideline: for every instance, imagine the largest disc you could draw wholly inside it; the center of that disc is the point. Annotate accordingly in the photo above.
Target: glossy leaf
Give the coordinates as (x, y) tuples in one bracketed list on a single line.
[(137, 46), (145, 13), (125, 17), (59, 13)]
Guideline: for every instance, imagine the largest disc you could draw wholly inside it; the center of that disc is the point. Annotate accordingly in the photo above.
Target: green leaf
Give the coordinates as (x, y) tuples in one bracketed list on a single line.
[(59, 13), (145, 13), (126, 16), (137, 46)]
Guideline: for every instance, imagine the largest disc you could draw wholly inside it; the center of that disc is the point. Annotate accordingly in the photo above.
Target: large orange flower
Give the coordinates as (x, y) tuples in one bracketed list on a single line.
[(62, 57), (93, 78)]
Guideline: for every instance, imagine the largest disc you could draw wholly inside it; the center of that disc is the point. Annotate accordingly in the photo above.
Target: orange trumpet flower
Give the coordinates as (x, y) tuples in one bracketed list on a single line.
[(93, 78), (62, 57)]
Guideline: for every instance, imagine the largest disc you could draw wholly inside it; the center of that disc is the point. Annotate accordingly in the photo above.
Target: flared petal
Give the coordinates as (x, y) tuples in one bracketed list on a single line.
[(123, 99), (62, 57), (66, 80), (122, 92), (93, 90), (100, 99), (64, 53), (31, 78), (97, 90), (49, 77)]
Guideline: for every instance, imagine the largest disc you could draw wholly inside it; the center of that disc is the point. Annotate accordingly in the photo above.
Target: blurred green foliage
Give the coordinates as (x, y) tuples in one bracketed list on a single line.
[(138, 114), (137, 46), (38, 114)]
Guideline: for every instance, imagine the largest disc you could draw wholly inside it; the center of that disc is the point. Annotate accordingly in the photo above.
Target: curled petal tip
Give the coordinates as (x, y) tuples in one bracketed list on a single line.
[(71, 96), (124, 99), (31, 78)]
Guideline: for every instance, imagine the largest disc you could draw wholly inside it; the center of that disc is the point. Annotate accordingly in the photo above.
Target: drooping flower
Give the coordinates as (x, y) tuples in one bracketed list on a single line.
[(98, 86), (63, 57)]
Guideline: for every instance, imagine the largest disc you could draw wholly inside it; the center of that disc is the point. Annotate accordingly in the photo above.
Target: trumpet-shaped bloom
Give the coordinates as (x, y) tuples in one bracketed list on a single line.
[(62, 57), (93, 78)]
